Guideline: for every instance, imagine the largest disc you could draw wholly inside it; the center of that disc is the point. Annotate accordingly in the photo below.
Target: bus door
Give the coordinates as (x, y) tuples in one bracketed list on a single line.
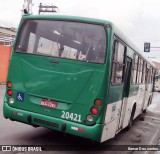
[(126, 87)]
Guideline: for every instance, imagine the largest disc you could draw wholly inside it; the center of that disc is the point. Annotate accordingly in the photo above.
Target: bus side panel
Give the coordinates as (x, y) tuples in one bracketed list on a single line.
[(139, 100), (133, 98), (111, 120), (112, 113), (130, 102)]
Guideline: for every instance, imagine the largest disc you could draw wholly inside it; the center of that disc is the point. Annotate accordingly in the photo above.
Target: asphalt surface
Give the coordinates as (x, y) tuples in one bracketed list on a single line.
[(145, 131)]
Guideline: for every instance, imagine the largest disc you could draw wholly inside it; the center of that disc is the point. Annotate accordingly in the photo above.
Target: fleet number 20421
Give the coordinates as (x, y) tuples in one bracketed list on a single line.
[(71, 116)]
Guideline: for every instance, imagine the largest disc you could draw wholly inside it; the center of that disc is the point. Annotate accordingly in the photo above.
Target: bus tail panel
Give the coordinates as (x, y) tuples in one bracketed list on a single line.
[(35, 119)]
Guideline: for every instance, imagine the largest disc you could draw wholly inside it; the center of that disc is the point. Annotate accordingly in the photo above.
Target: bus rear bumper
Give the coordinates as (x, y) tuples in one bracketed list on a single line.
[(35, 119)]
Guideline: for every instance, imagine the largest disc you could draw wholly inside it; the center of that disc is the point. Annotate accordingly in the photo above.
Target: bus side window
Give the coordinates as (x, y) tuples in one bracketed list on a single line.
[(117, 63), (31, 42), (143, 71), (139, 70), (134, 69)]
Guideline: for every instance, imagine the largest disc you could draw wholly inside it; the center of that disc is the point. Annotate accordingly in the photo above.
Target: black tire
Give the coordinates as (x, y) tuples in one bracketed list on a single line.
[(149, 102), (131, 119), (144, 111)]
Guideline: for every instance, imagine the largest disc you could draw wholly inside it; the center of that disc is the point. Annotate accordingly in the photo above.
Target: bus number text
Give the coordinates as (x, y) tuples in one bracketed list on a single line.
[(71, 116)]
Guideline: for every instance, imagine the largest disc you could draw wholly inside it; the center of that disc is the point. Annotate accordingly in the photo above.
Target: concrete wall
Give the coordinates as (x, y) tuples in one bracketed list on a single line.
[(5, 54)]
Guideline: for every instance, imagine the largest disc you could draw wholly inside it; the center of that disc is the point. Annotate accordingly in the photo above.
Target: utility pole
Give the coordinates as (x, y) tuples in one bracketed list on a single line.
[(28, 6), (47, 8)]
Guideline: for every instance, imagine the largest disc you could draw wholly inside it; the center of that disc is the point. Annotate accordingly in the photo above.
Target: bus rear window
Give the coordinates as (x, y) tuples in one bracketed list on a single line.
[(63, 39)]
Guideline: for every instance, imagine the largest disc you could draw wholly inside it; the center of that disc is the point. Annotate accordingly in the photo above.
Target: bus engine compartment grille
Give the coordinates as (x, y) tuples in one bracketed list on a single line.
[(45, 122)]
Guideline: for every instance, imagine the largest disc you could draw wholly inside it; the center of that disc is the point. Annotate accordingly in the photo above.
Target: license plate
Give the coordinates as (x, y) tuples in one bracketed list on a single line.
[(47, 103)]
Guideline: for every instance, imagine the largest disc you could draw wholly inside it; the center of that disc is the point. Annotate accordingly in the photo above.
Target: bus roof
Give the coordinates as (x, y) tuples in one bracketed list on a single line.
[(64, 17), (92, 20)]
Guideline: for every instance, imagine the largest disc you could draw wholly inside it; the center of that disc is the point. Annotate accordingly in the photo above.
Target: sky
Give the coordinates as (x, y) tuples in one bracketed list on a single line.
[(138, 19)]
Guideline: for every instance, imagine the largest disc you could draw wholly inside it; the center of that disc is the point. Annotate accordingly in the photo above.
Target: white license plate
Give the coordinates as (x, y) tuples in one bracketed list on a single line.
[(50, 104)]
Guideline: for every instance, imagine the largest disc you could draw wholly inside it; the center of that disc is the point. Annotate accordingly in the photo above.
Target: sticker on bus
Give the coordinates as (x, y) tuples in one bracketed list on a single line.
[(20, 96)]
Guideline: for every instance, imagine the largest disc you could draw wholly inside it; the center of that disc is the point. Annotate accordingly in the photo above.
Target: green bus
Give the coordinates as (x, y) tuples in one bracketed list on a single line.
[(76, 75)]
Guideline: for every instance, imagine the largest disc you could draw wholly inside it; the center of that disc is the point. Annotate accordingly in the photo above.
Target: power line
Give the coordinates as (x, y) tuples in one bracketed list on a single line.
[(47, 8)]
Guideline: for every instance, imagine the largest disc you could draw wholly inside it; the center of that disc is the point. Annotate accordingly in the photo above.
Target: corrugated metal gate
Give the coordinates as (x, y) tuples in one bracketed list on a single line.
[(5, 54)]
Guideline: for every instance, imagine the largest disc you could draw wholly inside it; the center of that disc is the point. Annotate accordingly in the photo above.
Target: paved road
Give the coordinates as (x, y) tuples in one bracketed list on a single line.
[(143, 132)]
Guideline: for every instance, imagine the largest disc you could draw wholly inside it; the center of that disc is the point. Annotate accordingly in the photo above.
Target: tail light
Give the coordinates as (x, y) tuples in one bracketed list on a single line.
[(108, 26), (98, 102), (94, 110), (10, 92), (90, 118), (9, 84), (22, 20), (11, 100)]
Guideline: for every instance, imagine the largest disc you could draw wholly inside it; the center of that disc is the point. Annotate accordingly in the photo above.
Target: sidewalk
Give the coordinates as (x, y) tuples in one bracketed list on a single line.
[(157, 83), (2, 86)]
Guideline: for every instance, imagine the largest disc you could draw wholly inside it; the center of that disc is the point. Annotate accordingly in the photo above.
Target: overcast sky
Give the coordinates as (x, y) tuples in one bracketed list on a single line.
[(138, 19)]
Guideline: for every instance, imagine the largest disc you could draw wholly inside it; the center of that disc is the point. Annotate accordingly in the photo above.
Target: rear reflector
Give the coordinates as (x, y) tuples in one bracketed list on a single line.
[(78, 129), (81, 130)]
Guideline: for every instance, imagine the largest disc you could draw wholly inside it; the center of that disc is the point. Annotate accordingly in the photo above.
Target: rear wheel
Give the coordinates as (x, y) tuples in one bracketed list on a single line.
[(149, 102), (144, 111), (131, 119)]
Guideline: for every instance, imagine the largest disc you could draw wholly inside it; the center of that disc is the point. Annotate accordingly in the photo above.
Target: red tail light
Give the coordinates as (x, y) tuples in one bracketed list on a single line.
[(10, 92), (108, 26), (94, 110), (9, 84), (22, 20)]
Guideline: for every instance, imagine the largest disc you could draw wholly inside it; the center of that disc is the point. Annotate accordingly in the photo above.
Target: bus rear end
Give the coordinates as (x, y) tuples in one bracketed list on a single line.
[(56, 76)]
